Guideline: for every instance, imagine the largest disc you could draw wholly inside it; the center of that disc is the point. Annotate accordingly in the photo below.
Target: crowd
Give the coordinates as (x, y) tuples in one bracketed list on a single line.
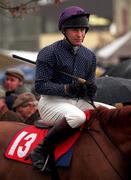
[(17, 102)]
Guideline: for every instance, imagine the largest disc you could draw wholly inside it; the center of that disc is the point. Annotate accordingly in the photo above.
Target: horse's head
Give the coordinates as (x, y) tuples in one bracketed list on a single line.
[(117, 123)]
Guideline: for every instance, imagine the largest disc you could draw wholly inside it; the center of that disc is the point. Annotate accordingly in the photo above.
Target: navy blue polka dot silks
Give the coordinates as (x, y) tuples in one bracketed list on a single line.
[(60, 56)]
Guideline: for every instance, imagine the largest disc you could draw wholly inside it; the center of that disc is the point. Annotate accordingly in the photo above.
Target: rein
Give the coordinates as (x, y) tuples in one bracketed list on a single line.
[(90, 129)]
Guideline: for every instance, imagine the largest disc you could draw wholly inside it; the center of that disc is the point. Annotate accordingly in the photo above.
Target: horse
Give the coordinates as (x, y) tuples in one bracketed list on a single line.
[(102, 152)]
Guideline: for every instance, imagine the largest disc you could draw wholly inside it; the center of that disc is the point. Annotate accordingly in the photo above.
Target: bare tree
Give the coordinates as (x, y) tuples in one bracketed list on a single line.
[(18, 8)]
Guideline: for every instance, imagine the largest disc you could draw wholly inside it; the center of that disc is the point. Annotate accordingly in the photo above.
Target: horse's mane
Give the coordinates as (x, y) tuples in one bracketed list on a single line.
[(115, 118)]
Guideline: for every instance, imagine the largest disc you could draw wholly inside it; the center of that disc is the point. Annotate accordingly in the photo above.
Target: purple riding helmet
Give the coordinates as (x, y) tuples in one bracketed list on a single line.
[(73, 17)]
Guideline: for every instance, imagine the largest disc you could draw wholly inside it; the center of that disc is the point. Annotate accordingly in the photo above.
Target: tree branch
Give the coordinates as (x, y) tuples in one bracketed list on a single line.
[(23, 8)]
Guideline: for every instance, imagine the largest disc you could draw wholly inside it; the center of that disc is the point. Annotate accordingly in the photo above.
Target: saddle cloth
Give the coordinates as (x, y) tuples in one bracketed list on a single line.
[(29, 137)]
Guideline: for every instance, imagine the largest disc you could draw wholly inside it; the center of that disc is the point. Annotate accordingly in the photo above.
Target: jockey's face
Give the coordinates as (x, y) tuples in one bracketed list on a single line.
[(11, 83), (75, 35)]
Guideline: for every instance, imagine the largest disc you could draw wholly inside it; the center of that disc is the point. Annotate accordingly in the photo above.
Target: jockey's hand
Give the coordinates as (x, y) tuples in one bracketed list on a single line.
[(78, 90), (75, 89), (90, 90)]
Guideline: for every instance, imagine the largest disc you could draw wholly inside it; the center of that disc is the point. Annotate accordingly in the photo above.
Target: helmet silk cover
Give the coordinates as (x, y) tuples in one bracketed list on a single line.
[(73, 17)]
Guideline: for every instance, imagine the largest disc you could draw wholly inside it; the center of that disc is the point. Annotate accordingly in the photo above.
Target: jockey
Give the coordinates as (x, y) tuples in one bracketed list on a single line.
[(62, 99)]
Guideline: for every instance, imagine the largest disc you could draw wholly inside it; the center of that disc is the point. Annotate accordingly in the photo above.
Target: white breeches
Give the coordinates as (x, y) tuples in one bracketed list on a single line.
[(54, 108)]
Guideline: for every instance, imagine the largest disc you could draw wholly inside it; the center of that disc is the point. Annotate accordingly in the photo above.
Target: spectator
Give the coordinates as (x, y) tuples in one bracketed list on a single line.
[(26, 105), (13, 85), (5, 113)]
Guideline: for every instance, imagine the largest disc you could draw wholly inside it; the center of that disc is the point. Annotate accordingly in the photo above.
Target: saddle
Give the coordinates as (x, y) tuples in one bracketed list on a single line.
[(39, 124)]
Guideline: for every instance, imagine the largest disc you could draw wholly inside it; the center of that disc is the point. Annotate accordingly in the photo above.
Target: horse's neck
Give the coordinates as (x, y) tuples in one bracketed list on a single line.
[(120, 138), (117, 124), (95, 144)]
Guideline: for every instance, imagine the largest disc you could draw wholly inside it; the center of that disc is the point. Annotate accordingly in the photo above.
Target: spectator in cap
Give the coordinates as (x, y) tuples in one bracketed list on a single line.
[(5, 113), (13, 85), (16, 73), (26, 105)]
